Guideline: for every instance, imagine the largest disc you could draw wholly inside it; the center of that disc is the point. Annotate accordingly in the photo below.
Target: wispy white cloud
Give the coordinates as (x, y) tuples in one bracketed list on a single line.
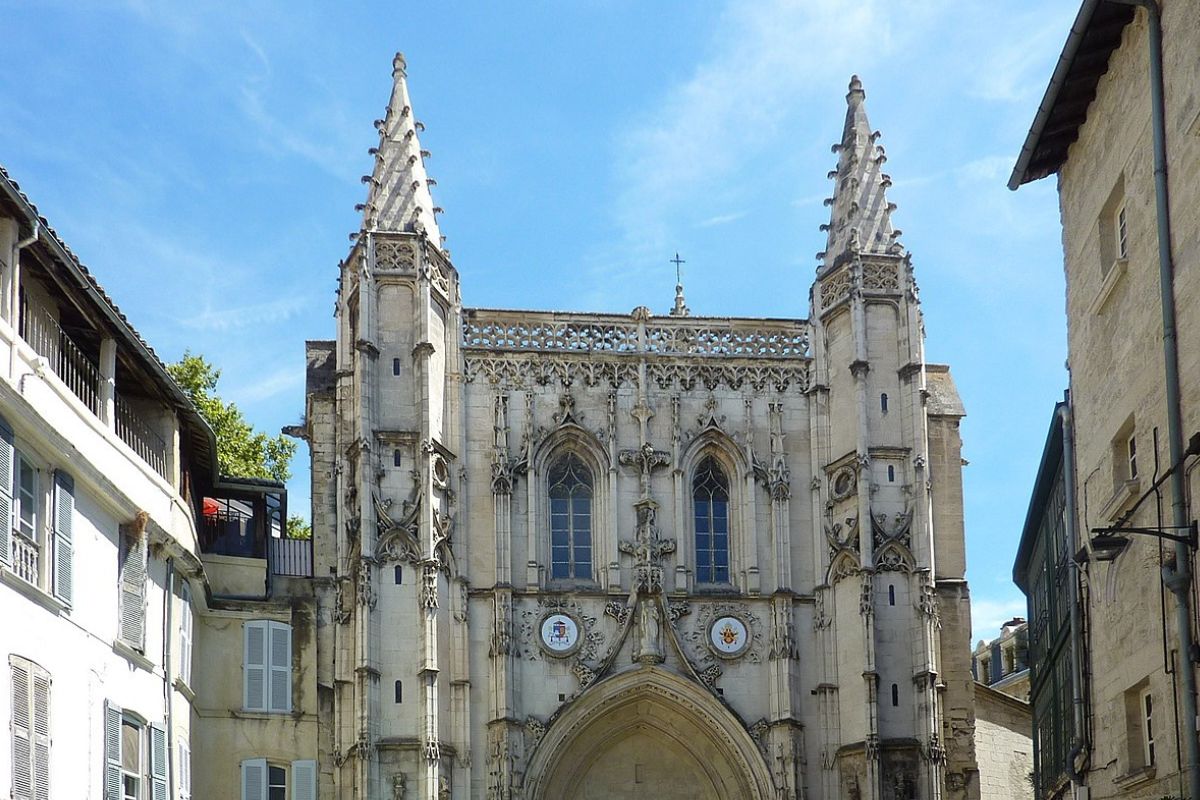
[(989, 613), (1013, 69), (258, 315), (722, 219), (285, 379)]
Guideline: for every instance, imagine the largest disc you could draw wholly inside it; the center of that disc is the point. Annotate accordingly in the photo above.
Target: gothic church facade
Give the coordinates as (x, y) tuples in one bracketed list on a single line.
[(629, 555)]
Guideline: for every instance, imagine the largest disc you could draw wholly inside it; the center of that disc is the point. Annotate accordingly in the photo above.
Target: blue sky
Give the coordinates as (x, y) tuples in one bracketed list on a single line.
[(203, 159)]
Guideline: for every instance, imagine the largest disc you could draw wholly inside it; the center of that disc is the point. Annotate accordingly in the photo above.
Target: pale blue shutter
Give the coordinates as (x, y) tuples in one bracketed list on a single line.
[(304, 780), (281, 666), (254, 667), (112, 752), (185, 772), (158, 763), (6, 490), (64, 520), (254, 779), (22, 738), (133, 592), (41, 734)]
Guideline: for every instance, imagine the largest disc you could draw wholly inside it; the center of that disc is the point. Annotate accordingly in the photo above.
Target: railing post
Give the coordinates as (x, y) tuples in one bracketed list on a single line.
[(108, 381), (171, 457)]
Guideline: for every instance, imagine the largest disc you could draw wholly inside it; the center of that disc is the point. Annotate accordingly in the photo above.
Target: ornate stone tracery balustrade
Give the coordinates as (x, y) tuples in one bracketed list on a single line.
[(639, 333)]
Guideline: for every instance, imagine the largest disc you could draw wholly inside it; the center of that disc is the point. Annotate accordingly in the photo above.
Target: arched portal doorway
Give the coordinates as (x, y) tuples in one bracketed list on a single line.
[(647, 733)]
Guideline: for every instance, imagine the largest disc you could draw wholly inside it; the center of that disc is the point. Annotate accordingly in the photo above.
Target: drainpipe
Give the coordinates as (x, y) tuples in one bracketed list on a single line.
[(167, 639), (1068, 445), (1178, 579)]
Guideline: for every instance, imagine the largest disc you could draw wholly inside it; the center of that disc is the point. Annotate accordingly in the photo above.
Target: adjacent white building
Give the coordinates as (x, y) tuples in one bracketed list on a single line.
[(108, 495)]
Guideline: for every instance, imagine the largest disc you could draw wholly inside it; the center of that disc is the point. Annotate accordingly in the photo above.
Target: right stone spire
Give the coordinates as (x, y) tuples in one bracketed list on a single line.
[(861, 217)]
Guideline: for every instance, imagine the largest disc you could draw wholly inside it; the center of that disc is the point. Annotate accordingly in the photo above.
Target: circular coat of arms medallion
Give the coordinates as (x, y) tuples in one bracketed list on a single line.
[(559, 635), (728, 637)]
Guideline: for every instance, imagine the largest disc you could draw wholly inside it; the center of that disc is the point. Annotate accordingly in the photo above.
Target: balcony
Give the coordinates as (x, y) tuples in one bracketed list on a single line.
[(243, 539), (82, 375), (25, 554)]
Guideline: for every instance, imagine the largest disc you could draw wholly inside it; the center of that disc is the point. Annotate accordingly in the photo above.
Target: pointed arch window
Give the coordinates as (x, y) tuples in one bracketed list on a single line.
[(710, 498), (570, 519)]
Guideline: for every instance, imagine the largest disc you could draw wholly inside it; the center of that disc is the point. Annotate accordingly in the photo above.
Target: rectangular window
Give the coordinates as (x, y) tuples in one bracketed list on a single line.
[(1122, 231), (30, 727), (135, 757), (262, 780), (26, 549), (1147, 709), (267, 667), (1131, 454)]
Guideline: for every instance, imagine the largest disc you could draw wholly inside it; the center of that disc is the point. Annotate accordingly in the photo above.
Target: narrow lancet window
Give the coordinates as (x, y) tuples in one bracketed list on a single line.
[(710, 496), (570, 519)]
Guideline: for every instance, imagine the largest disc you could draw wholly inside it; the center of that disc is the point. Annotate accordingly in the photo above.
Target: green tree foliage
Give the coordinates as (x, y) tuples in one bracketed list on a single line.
[(298, 527), (241, 451)]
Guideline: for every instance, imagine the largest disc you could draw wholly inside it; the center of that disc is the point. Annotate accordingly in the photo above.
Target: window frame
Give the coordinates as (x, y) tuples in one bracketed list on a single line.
[(576, 463), (1131, 468), (1121, 231), (1146, 727), (715, 466), (275, 671)]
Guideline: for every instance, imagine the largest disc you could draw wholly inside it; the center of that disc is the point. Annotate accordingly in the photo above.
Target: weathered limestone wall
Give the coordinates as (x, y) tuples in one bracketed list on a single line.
[(1003, 745), (1117, 374)]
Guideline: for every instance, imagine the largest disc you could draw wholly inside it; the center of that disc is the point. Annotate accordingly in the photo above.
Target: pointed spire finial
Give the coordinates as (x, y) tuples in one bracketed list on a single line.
[(680, 309), (860, 219), (398, 199)]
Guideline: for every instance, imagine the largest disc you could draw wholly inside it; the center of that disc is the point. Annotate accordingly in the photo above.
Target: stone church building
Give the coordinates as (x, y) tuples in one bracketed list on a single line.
[(629, 555)]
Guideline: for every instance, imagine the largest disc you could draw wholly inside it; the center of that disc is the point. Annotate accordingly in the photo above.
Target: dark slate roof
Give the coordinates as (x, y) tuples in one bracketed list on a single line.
[(1095, 34), (1043, 484)]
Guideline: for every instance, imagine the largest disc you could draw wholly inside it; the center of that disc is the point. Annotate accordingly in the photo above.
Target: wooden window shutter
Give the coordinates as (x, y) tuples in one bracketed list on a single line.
[(281, 666), (185, 772), (133, 591), (7, 451), (112, 752), (21, 727), (64, 520), (254, 779), (158, 763), (254, 667), (41, 733), (304, 780), (187, 623)]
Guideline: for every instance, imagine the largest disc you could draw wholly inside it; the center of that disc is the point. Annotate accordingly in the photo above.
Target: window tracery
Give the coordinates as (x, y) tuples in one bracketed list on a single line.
[(710, 498), (571, 490)]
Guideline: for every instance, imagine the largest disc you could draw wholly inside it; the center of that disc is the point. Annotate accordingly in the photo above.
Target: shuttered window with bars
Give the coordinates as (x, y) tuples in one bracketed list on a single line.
[(30, 730), (267, 667)]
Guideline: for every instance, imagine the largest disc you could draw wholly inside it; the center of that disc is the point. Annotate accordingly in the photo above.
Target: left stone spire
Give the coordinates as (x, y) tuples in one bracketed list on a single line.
[(399, 199)]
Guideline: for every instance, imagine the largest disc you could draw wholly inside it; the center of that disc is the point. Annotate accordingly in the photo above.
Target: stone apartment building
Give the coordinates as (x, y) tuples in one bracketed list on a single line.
[(1120, 127), (155, 622), (581, 555)]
